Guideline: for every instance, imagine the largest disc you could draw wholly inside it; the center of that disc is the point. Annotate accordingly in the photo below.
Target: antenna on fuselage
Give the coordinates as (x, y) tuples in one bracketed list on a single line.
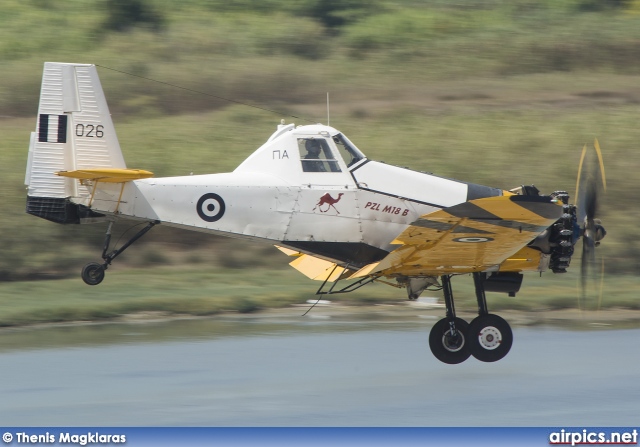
[(328, 120)]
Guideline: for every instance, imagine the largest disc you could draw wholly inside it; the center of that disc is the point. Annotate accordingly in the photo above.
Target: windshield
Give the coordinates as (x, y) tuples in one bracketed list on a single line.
[(317, 156), (350, 154)]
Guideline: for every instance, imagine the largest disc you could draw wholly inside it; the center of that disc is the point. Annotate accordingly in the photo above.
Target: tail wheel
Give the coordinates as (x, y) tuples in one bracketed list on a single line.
[(93, 273), (490, 338), (445, 346)]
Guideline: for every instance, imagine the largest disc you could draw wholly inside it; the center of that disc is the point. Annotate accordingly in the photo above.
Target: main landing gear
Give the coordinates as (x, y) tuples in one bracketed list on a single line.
[(488, 337), (93, 273)]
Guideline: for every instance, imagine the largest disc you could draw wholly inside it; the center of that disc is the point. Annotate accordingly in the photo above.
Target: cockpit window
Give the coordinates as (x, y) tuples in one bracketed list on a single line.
[(316, 155), (350, 154)]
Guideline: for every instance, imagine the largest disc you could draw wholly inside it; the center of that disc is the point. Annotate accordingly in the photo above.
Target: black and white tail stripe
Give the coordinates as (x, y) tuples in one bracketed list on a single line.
[(52, 128)]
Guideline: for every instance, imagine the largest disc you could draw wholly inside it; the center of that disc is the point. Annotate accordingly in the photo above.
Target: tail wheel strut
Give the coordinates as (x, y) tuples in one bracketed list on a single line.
[(94, 272)]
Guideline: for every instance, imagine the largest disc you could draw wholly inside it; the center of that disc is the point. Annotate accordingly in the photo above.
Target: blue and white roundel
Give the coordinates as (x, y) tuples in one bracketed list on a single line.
[(210, 207), (473, 240)]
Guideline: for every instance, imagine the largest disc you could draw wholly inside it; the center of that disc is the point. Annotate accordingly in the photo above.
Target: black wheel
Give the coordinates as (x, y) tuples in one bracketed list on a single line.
[(490, 338), (447, 348), (93, 273)]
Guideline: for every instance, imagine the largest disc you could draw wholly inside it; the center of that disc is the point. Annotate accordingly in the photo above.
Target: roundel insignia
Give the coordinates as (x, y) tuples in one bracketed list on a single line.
[(210, 207), (473, 240)]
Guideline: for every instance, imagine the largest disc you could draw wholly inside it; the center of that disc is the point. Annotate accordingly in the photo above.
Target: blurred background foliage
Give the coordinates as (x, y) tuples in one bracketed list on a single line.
[(495, 92)]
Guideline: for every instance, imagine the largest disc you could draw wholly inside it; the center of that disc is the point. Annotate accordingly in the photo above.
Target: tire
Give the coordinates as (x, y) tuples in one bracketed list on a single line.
[(93, 273), (444, 347), (490, 338)]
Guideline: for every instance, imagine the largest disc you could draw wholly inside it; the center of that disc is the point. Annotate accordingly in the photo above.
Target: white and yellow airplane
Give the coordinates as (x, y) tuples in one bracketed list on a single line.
[(312, 193)]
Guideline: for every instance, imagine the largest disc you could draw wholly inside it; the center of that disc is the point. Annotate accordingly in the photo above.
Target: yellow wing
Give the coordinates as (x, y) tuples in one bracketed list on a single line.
[(469, 237)]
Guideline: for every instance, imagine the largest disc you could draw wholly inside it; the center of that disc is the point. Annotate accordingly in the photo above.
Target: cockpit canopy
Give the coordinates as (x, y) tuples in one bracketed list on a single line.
[(317, 156), (303, 153)]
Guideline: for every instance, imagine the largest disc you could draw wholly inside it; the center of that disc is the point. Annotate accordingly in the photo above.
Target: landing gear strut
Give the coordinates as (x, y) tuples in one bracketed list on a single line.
[(448, 337), (93, 273), (488, 337)]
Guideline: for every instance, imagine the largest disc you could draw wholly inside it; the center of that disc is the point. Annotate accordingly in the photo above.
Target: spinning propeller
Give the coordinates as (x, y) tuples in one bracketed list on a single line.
[(590, 185)]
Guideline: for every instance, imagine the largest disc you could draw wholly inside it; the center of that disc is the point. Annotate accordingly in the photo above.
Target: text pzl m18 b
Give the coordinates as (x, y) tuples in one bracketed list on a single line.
[(346, 220)]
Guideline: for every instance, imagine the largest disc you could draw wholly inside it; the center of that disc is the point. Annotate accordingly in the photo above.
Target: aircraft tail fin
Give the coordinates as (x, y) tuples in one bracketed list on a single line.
[(74, 131)]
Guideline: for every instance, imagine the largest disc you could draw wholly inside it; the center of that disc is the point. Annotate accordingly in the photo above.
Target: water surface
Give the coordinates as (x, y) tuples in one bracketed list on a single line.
[(310, 372)]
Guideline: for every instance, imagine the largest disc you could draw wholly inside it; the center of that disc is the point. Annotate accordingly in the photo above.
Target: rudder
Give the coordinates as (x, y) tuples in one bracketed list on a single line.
[(74, 131)]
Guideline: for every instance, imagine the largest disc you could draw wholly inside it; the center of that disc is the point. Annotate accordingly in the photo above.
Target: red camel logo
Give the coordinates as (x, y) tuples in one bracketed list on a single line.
[(326, 199)]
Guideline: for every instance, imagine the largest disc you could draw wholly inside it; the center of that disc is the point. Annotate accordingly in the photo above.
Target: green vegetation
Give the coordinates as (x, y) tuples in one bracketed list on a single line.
[(187, 289), (169, 290), (492, 92)]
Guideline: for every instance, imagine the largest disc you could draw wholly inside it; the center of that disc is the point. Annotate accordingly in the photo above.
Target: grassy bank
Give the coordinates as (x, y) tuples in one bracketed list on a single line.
[(171, 290), (202, 291)]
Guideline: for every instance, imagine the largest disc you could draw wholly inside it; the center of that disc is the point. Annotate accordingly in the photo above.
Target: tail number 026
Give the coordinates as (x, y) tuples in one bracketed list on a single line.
[(89, 130)]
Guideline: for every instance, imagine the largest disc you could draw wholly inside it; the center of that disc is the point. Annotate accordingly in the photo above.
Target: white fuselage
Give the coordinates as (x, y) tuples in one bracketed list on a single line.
[(307, 188), (270, 197)]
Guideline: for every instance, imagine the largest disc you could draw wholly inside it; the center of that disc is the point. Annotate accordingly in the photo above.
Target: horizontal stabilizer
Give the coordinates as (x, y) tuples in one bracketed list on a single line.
[(107, 175)]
